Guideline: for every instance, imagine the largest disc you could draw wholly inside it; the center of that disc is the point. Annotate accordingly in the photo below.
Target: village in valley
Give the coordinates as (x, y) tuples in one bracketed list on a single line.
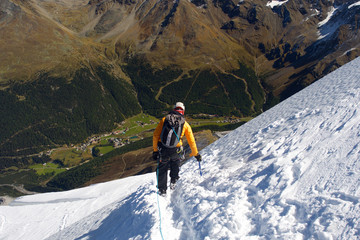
[(95, 140), (119, 137), (126, 132), (139, 127)]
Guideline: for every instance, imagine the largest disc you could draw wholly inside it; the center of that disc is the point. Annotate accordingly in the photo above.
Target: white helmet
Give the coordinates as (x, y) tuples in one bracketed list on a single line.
[(179, 105)]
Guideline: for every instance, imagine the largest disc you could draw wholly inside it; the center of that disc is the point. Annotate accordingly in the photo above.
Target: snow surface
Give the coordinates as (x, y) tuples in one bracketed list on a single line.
[(328, 17), (291, 173), (332, 22), (327, 29), (354, 4), (275, 3)]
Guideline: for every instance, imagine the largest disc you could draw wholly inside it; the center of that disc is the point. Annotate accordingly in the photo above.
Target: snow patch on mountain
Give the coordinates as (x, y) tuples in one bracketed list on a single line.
[(275, 3), (329, 25), (354, 4), (328, 17), (336, 17)]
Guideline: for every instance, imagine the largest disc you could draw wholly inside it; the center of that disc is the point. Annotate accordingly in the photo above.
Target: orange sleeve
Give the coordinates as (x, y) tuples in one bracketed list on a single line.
[(157, 133), (191, 139)]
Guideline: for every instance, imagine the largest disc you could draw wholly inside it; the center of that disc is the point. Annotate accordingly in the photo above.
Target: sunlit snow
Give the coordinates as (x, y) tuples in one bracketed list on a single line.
[(354, 4), (328, 17), (275, 3), (327, 29)]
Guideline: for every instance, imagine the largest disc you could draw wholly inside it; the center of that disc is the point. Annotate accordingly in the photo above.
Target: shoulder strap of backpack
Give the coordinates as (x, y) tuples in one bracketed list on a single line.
[(178, 138)]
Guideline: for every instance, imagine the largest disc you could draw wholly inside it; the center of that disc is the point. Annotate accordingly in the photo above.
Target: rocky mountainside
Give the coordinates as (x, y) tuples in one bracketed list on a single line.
[(266, 35), (226, 57)]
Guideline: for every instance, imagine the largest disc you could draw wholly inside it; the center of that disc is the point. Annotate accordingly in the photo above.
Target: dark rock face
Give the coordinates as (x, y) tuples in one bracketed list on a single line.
[(199, 3), (251, 15), (227, 6), (284, 14), (229, 26), (170, 15)]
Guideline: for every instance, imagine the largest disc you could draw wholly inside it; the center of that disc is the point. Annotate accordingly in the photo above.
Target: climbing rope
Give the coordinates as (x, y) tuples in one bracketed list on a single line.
[(157, 178)]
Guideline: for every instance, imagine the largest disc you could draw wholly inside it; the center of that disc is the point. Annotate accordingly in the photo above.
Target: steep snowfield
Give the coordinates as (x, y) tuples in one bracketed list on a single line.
[(338, 15), (291, 173)]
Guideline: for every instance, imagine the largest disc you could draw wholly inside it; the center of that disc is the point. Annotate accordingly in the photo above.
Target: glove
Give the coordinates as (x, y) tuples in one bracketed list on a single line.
[(198, 157), (155, 155)]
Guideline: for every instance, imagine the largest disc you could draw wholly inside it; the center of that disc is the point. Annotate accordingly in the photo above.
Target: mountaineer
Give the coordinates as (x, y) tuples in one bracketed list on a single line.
[(167, 146)]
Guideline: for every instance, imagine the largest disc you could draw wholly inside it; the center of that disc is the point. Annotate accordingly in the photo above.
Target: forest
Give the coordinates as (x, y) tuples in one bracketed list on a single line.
[(51, 112)]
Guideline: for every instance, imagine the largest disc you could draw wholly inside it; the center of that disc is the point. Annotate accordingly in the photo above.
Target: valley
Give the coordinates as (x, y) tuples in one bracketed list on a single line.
[(133, 162)]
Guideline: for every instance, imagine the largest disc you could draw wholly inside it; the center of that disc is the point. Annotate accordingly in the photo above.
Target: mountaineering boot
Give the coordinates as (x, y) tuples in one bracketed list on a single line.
[(162, 192), (172, 183)]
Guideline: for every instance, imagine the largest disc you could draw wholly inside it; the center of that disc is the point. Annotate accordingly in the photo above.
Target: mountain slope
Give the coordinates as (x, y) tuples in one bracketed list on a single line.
[(266, 36), (290, 173), (69, 69), (32, 42)]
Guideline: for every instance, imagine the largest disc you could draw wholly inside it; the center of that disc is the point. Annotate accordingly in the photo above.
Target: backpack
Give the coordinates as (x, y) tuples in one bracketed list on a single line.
[(171, 131)]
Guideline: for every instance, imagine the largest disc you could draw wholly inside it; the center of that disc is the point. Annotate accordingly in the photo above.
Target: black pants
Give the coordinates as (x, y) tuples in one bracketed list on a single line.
[(168, 159)]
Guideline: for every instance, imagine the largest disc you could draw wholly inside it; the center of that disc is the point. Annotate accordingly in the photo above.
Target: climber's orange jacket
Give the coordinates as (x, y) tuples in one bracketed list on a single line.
[(187, 131)]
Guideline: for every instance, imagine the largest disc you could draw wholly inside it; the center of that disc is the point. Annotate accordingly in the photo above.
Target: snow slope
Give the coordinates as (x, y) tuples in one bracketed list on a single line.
[(291, 173), (338, 15)]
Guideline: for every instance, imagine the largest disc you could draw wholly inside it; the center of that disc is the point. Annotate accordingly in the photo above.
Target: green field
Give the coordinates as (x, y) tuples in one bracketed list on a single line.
[(106, 149), (70, 156), (138, 124), (47, 168)]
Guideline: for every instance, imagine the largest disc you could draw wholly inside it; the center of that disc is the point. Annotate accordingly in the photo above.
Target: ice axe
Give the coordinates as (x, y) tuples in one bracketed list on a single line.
[(200, 169), (198, 158)]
